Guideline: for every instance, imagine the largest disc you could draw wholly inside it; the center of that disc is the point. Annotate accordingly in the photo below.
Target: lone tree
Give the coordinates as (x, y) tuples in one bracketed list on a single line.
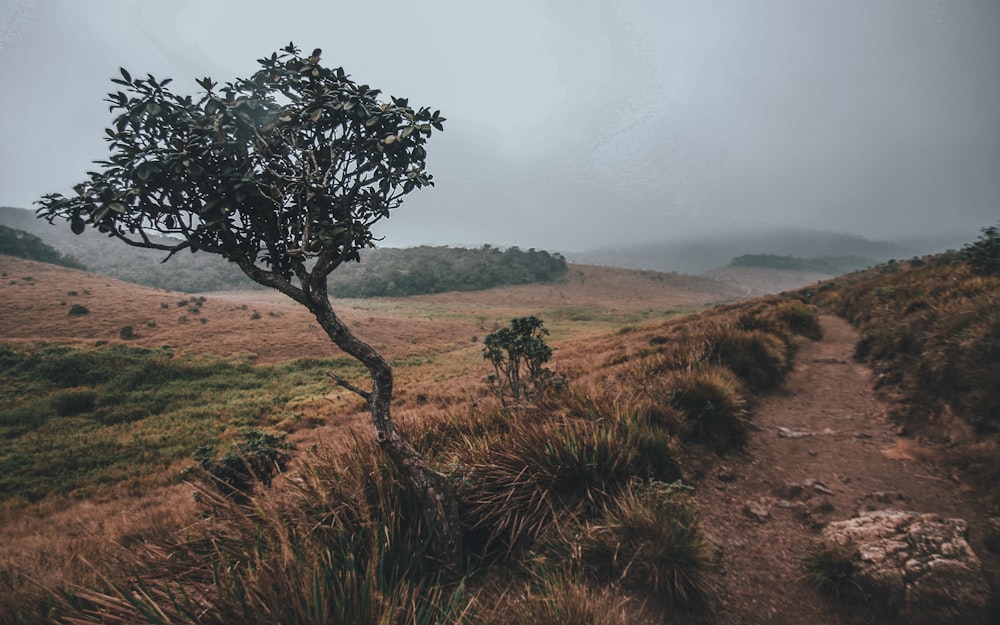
[(518, 354), (283, 173)]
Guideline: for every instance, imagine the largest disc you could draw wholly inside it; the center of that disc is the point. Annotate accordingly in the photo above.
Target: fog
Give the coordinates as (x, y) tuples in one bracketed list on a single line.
[(575, 125)]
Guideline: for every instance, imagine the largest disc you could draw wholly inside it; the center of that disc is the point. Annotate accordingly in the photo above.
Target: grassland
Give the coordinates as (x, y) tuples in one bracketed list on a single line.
[(577, 507)]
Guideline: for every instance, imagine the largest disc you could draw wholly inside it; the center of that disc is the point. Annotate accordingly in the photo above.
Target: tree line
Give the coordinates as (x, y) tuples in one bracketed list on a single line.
[(420, 270)]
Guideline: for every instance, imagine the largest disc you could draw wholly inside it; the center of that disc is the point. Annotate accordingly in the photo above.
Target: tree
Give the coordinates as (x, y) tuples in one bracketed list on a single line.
[(518, 354), (983, 255), (284, 174)]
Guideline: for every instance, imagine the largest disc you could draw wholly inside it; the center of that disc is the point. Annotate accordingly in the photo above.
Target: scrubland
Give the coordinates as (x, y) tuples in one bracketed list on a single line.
[(578, 507)]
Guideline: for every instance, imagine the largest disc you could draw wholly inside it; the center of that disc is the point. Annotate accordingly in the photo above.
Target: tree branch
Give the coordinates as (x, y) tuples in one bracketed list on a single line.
[(354, 389)]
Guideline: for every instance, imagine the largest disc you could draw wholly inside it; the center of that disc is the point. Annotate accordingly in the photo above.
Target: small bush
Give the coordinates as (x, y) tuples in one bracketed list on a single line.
[(983, 256), (757, 358), (126, 333), (257, 459), (78, 309), (649, 540), (828, 568), (255, 315), (518, 355), (73, 402), (520, 485), (713, 403), (801, 319)]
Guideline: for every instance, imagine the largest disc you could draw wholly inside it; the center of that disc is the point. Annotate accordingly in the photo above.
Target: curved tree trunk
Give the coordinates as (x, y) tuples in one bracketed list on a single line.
[(437, 498)]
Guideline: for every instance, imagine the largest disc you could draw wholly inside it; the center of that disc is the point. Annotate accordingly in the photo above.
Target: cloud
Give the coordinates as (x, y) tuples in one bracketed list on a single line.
[(579, 124)]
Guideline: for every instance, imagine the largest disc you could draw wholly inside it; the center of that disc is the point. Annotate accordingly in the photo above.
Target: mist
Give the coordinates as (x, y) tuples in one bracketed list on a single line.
[(578, 125)]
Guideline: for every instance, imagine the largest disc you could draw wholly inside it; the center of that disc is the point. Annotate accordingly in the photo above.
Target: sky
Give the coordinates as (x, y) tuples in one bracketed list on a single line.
[(576, 124)]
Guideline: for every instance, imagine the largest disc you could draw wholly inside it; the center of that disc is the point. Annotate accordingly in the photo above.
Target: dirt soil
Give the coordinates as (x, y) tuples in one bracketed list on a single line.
[(822, 452)]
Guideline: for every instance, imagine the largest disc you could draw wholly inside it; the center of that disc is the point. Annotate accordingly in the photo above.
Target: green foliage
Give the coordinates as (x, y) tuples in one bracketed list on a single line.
[(73, 402), (283, 173), (81, 421), (254, 460), (78, 309), (418, 270), (18, 243), (518, 354), (984, 254)]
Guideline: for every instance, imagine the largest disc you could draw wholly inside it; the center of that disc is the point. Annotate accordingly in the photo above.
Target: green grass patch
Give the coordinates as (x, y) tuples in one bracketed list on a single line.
[(76, 421)]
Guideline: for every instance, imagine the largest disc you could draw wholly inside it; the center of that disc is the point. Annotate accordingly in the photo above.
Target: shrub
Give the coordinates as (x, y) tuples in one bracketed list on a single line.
[(800, 318), (518, 354), (828, 568), (78, 309), (757, 358), (126, 333), (713, 403), (648, 540), (73, 402), (983, 256), (518, 486), (341, 544), (257, 459)]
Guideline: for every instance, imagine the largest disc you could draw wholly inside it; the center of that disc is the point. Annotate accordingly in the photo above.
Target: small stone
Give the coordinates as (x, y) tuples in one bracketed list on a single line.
[(821, 507), (887, 496), (812, 453), (759, 510), (820, 487), (789, 490), (862, 435), (784, 432), (725, 474), (992, 537)]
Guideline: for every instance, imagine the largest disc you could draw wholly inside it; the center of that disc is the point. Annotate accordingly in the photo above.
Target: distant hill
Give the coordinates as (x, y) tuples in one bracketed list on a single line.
[(702, 254), (829, 265), (382, 271), (14, 242), (186, 272)]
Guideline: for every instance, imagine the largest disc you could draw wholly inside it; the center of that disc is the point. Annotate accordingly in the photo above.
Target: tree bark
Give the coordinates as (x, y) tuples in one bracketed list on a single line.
[(438, 502)]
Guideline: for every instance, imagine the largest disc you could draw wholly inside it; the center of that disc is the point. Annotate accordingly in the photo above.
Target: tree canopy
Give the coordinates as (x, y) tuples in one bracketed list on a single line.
[(295, 163)]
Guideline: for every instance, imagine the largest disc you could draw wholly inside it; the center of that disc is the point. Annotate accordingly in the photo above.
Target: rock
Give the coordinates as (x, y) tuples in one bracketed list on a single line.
[(789, 490), (759, 510), (918, 568), (725, 474), (817, 486), (784, 432), (992, 537)]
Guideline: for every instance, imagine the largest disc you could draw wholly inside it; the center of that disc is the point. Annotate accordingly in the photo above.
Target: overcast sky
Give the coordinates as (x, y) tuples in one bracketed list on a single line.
[(577, 124)]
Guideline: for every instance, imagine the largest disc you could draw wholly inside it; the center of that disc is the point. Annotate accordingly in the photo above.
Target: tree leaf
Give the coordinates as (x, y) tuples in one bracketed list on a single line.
[(125, 75)]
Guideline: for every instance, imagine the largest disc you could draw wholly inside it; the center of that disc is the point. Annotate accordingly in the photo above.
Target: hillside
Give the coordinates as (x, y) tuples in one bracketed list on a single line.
[(35, 300), (381, 272), (686, 474)]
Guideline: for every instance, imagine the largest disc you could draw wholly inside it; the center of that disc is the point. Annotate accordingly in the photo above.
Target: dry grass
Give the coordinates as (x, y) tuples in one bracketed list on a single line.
[(528, 476), (931, 329)]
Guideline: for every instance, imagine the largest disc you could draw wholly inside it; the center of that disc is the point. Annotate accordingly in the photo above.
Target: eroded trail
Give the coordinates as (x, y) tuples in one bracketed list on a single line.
[(823, 451)]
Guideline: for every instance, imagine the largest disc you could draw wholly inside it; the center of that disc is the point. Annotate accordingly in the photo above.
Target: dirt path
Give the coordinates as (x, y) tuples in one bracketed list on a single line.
[(822, 452)]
